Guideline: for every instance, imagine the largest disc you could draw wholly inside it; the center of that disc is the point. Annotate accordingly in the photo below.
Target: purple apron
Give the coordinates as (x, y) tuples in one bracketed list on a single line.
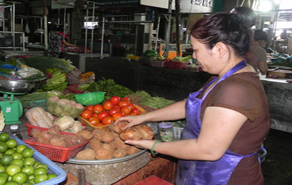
[(195, 172)]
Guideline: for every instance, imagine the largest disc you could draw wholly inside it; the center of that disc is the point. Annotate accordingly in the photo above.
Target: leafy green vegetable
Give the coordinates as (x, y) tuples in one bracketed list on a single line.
[(112, 89), (25, 99), (42, 63), (150, 53), (182, 59)]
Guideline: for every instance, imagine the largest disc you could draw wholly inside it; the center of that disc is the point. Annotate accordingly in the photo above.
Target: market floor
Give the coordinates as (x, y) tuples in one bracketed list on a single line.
[(277, 166)]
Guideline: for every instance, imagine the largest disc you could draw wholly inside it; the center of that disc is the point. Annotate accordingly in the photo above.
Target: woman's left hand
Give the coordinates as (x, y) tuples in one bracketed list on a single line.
[(143, 144)]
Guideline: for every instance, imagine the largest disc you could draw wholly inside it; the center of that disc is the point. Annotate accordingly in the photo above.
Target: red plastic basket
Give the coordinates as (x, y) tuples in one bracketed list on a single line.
[(157, 63), (55, 153), (30, 127), (73, 89), (176, 65)]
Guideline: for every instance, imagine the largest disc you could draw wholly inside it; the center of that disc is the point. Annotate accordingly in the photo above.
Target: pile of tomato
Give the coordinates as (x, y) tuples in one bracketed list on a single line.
[(110, 110)]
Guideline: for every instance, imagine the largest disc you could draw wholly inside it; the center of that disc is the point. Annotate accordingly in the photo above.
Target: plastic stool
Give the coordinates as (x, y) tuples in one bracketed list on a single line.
[(151, 180)]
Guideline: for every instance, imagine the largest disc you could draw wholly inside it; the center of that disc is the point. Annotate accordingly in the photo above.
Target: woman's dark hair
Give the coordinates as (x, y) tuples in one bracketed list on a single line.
[(246, 12), (56, 27), (227, 28), (259, 35)]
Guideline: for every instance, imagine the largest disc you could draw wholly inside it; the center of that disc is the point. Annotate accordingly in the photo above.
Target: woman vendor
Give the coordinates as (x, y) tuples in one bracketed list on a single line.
[(227, 120)]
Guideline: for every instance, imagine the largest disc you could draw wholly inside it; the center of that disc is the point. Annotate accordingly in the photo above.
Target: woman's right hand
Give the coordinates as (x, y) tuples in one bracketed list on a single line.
[(132, 120)]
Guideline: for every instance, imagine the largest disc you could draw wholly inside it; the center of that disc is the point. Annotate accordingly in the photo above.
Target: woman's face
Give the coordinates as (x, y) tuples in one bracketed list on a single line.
[(205, 57)]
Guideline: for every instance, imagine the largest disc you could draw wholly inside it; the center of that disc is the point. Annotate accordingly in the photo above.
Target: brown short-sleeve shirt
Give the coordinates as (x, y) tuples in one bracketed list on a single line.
[(243, 92)]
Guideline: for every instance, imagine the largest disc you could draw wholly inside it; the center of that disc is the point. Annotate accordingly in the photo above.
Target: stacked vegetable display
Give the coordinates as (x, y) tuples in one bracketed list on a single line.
[(107, 112)]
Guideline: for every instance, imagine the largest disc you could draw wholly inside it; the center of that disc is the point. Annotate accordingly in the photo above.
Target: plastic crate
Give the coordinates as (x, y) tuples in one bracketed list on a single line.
[(177, 132), (157, 63), (55, 153), (176, 65), (53, 168)]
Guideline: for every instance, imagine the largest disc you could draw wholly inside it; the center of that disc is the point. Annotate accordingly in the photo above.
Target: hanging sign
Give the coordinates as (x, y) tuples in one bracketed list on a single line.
[(61, 4)]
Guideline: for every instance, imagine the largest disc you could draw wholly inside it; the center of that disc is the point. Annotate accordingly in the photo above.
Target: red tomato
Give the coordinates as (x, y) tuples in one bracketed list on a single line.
[(132, 106), (107, 120), (136, 111), (113, 111), (107, 105), (124, 103), (86, 114), (94, 120), (132, 114), (115, 100), (89, 107), (94, 115), (117, 115), (116, 107), (126, 99), (102, 115), (97, 108), (126, 110)]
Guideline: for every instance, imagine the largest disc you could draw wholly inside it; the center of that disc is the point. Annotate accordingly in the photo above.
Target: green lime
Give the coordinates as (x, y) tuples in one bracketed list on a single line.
[(42, 165), (29, 161), (18, 162), (6, 159), (10, 151), (28, 183), (3, 180), (2, 168), (4, 136), (19, 177), (4, 174), (40, 171), (13, 169), (28, 170), (11, 183), (36, 164), (27, 152), (20, 148), (40, 178), (3, 147), (51, 176), (11, 143), (17, 155)]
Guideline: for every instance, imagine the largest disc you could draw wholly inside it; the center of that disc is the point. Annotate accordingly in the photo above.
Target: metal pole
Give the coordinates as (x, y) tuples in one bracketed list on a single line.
[(157, 32), (64, 23), (136, 38), (85, 42), (41, 36), (102, 35), (177, 16), (92, 30), (13, 24), (168, 29)]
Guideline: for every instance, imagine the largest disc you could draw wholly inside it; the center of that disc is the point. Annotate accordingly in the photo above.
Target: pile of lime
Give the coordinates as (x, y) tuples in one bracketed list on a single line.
[(17, 165)]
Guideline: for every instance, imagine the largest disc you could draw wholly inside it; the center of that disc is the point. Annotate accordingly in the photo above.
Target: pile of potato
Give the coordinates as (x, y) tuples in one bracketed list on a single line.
[(54, 137), (109, 144)]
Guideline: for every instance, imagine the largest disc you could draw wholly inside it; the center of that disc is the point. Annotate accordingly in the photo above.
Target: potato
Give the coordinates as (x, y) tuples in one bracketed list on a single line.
[(119, 127), (146, 131), (103, 154), (85, 133), (87, 154), (109, 146), (132, 150), (119, 152), (96, 133), (58, 142), (120, 143), (131, 134), (95, 144), (105, 137)]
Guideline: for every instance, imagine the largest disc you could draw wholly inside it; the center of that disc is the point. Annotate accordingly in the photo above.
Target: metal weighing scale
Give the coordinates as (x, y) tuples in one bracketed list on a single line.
[(10, 105)]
